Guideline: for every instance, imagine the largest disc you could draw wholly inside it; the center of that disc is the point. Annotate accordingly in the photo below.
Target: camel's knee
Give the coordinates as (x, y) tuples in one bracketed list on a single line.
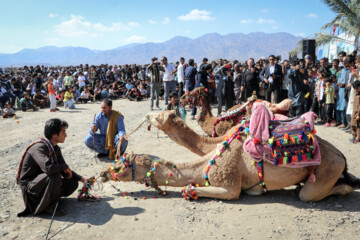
[(309, 196)]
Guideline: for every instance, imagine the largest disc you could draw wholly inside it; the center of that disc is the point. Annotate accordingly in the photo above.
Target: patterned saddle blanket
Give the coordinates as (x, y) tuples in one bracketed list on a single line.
[(291, 142)]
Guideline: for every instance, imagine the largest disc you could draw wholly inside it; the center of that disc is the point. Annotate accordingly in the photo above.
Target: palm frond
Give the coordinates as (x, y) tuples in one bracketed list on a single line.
[(340, 7)]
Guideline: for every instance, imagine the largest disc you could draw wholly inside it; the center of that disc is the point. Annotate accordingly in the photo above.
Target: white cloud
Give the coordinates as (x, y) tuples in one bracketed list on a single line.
[(152, 22), (166, 20), (300, 35), (77, 26), (262, 20), (275, 27), (135, 39), (52, 15), (197, 14), (133, 24), (311, 15), (264, 10), (245, 21)]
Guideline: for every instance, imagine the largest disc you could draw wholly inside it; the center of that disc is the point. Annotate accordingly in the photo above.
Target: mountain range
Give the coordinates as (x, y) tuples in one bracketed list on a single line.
[(213, 45)]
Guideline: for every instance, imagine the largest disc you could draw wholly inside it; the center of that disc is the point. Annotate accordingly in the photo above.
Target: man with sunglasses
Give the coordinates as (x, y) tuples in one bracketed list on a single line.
[(271, 76)]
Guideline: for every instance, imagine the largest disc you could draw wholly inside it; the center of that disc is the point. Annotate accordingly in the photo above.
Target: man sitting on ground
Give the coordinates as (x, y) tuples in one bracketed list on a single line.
[(175, 105), (26, 103), (111, 139), (43, 175), (39, 99)]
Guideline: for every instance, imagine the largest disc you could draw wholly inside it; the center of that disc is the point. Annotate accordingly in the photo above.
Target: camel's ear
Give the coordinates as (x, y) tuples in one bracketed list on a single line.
[(166, 116)]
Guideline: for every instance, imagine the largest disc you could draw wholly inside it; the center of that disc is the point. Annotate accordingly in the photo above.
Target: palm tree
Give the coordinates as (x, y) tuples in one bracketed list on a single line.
[(347, 19)]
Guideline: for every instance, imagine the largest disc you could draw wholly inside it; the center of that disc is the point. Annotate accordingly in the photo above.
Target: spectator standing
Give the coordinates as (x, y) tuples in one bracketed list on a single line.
[(271, 76), (330, 101), (181, 75), (168, 78), (296, 89), (81, 81), (155, 81), (250, 79), (51, 92)]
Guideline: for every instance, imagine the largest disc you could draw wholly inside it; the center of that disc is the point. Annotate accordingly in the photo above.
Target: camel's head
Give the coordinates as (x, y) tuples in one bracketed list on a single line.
[(195, 97), (161, 120), (129, 167)]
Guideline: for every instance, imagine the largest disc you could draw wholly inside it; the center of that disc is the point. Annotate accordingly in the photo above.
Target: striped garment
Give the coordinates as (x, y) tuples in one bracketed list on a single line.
[(155, 73), (330, 95), (40, 140)]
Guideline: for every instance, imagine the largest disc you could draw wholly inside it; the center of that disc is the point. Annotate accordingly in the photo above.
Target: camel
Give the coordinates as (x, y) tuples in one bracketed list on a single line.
[(233, 172), (218, 126), (177, 130)]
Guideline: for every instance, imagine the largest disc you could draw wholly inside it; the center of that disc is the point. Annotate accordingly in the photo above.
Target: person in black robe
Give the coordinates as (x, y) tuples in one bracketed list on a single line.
[(43, 175)]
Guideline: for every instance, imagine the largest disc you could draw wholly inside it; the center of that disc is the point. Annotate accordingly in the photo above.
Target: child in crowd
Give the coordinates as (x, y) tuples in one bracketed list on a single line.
[(143, 91), (330, 101), (69, 98), (8, 111), (355, 119), (322, 104), (39, 99), (86, 96), (129, 86), (105, 92), (97, 93), (111, 93), (134, 94), (76, 93), (60, 97), (51, 92), (26, 103)]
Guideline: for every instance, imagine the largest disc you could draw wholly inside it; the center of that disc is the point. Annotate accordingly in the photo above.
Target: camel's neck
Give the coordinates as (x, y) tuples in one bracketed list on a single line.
[(185, 136), (206, 119), (168, 174)]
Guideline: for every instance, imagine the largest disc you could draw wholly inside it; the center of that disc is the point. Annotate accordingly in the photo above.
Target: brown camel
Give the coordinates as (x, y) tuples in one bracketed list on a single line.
[(218, 126), (234, 172), (177, 130)]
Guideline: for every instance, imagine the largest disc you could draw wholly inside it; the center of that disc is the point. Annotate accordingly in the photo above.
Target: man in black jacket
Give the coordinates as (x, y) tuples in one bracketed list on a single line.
[(271, 77), (250, 79)]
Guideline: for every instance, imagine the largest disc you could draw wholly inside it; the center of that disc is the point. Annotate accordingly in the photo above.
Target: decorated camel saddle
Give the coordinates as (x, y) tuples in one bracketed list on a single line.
[(288, 143)]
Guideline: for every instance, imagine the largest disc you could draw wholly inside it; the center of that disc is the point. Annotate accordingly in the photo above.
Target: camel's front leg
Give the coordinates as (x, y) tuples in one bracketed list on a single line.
[(217, 192)]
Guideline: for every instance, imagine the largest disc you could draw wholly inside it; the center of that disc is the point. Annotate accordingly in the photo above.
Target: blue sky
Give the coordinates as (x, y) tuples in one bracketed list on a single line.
[(109, 24)]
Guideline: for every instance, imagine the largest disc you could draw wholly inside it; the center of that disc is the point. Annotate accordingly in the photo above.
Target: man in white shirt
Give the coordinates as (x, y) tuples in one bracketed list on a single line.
[(168, 78), (181, 76)]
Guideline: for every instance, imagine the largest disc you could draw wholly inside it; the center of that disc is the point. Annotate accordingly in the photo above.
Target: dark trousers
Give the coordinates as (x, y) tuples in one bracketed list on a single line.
[(181, 89), (296, 111), (329, 112), (45, 190), (284, 94), (273, 89)]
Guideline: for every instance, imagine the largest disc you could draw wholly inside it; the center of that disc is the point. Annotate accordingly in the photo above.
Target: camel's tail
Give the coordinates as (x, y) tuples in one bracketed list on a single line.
[(347, 178)]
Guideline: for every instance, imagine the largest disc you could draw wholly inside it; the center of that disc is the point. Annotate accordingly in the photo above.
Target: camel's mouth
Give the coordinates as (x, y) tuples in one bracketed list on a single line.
[(152, 119)]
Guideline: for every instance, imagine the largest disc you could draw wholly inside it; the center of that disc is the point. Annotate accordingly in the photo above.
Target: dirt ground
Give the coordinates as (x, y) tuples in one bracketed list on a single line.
[(275, 215)]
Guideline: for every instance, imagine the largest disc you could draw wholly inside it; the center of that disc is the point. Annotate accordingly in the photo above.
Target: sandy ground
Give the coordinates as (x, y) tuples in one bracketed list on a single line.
[(276, 215)]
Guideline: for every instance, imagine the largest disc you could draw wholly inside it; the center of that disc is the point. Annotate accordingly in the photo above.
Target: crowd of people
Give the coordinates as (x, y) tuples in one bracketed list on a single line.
[(330, 90)]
